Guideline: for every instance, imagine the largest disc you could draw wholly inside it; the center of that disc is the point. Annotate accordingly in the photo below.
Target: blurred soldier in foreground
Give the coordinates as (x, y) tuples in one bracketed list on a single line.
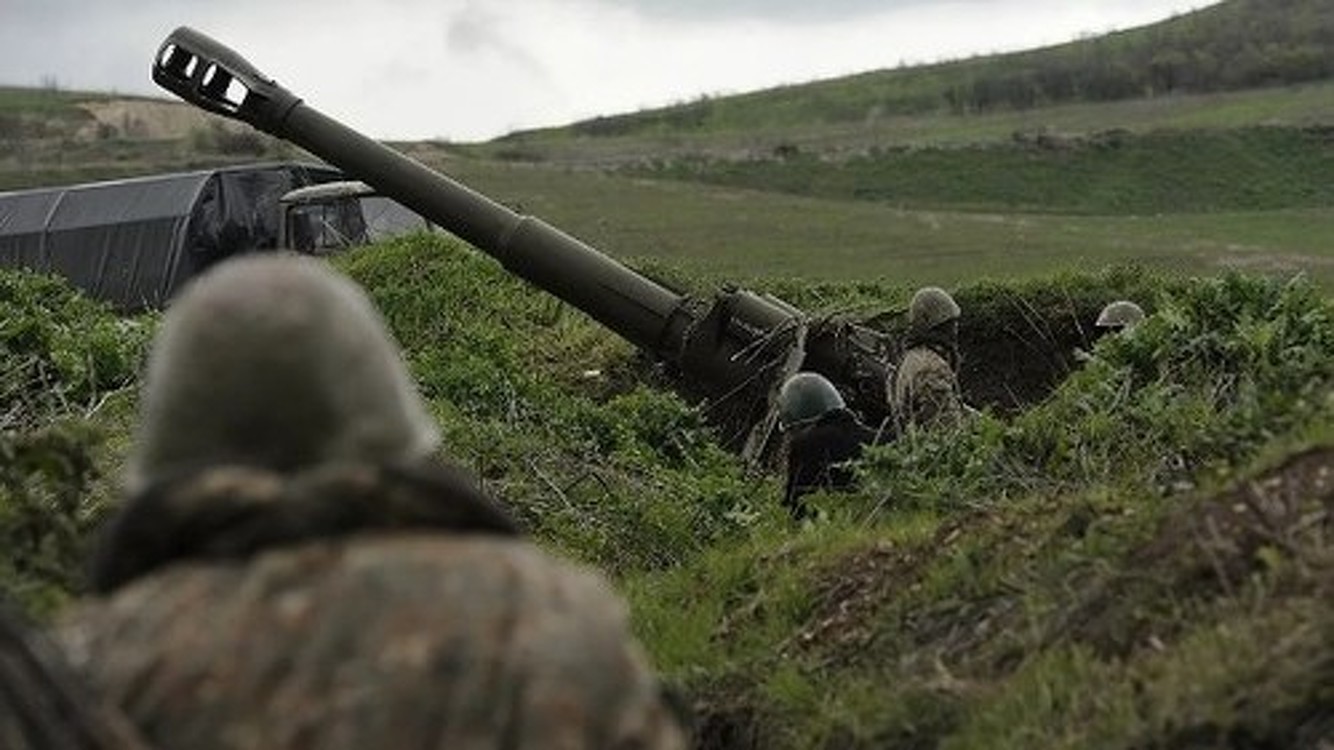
[(1121, 315), (43, 706), (295, 569), (924, 390), (822, 435)]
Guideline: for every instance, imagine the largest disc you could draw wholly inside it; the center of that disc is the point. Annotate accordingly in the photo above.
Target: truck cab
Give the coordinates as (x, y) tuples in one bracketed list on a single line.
[(333, 216)]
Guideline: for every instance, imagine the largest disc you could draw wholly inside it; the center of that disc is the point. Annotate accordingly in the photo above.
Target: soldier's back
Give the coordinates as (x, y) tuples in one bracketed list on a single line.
[(392, 640), (44, 705), (925, 391)]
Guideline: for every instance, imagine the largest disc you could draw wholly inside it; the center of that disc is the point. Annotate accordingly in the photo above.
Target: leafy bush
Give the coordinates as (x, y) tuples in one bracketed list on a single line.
[(59, 351), (61, 358), (45, 512)]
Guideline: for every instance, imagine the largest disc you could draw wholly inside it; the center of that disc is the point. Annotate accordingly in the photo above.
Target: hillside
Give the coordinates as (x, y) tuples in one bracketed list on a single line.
[(1227, 46), (1137, 554), (56, 137)]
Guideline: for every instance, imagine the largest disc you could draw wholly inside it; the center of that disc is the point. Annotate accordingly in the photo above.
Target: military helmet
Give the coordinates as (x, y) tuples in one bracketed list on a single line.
[(275, 361), (806, 396), (930, 307), (1120, 314)]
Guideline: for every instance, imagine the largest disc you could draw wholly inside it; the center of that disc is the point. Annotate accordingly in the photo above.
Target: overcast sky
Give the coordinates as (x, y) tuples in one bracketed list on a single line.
[(470, 70)]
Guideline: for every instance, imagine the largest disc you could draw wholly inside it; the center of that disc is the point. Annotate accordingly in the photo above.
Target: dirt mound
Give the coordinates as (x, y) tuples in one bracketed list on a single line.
[(1212, 549), (145, 119), (852, 590), (1014, 358)]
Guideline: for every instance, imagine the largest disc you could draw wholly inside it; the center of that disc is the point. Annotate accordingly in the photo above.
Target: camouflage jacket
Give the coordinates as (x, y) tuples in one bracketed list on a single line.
[(403, 629), (925, 391), (43, 705)]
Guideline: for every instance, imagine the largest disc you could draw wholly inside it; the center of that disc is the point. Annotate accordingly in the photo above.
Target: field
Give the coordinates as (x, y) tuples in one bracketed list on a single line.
[(930, 197), (747, 233)]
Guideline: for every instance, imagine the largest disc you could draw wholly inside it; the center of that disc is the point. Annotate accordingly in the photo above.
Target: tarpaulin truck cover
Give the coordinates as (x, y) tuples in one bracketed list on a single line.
[(133, 242)]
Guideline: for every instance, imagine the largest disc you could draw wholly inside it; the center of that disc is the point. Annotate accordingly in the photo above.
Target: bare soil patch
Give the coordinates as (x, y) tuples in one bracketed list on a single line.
[(1284, 517), (145, 119)]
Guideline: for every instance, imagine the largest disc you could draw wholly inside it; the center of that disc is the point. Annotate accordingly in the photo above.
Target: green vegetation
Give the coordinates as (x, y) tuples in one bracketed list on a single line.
[(744, 234), (1080, 574), (1092, 568), (1198, 170), (53, 137), (985, 588), (67, 365), (39, 113), (554, 413)]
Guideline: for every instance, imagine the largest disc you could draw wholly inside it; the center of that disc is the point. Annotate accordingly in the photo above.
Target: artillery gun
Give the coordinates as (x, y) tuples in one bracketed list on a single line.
[(733, 350)]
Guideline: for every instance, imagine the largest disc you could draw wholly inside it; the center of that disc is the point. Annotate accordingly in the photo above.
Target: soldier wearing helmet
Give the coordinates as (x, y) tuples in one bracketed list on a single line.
[(296, 567), (821, 436), (1121, 315), (1115, 317), (924, 390)]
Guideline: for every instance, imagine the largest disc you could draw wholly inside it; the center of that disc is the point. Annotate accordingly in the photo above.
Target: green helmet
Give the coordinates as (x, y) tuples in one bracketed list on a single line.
[(806, 396), (275, 361), (930, 307), (1120, 314)]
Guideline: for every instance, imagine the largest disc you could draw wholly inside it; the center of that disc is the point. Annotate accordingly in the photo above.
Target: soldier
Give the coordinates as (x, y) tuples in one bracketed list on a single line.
[(823, 435), (1121, 315), (1115, 317), (924, 390), (296, 568), (43, 706)]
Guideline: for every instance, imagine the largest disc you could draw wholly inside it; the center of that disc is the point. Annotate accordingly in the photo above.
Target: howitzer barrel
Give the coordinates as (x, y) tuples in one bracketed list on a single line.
[(212, 76), (734, 351)]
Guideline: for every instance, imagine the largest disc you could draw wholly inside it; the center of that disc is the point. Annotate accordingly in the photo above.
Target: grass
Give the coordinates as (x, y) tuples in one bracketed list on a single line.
[(1158, 172), (1296, 106), (46, 102), (1071, 597), (1051, 575), (745, 234)]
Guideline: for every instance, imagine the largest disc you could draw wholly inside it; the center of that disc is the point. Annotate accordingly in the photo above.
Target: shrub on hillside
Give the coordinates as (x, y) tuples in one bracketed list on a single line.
[(59, 351)]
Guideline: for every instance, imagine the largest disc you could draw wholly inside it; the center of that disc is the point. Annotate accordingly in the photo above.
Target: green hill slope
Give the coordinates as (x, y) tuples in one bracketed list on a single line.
[(1138, 558), (1232, 45), (1113, 172)]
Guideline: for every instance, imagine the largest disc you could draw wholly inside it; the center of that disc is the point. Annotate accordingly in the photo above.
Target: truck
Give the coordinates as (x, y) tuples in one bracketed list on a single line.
[(329, 217), (133, 242)]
